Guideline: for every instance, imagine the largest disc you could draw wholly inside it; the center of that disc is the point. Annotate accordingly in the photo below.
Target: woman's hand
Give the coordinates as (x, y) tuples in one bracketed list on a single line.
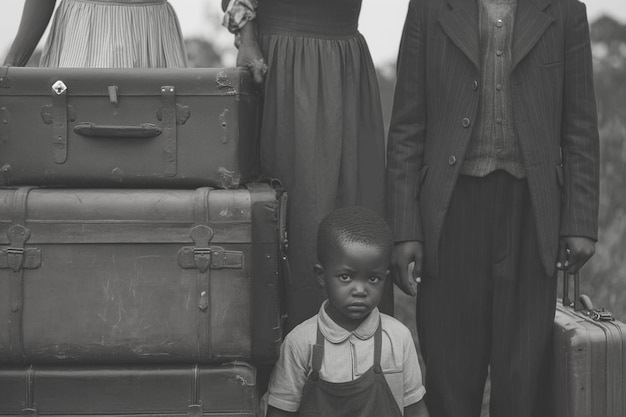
[(251, 58), (250, 55)]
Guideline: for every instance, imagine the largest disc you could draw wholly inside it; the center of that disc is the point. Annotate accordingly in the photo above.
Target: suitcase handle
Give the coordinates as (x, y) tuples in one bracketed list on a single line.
[(582, 303), (146, 130), (577, 304)]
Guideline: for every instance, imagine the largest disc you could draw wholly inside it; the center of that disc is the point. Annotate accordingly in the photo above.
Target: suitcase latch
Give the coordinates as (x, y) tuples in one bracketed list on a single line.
[(599, 315), (16, 257), (59, 87), (213, 257), (202, 256)]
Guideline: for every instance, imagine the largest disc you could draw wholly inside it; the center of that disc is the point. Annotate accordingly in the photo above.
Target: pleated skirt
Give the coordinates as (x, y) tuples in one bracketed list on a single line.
[(114, 34), (322, 135)]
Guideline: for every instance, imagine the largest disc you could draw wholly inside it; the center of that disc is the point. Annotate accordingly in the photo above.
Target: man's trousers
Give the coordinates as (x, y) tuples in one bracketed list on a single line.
[(491, 306)]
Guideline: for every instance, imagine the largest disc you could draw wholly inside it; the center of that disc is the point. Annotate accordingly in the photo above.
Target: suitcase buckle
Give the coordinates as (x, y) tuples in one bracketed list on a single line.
[(202, 258), (15, 258)]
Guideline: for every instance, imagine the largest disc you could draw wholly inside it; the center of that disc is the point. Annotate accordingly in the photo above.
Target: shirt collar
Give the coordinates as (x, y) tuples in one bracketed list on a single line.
[(334, 333)]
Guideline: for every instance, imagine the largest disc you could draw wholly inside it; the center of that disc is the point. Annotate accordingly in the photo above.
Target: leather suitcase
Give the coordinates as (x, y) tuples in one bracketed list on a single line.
[(111, 276), (219, 390), (138, 128), (589, 362)]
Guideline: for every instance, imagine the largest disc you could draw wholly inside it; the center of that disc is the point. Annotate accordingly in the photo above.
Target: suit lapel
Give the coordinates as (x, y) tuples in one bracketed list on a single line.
[(531, 22), (460, 23)]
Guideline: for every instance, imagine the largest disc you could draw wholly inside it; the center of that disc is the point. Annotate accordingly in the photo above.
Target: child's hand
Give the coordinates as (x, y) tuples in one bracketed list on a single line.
[(404, 254)]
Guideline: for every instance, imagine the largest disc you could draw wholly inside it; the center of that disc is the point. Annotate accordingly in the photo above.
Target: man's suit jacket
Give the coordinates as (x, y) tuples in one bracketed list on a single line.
[(435, 105)]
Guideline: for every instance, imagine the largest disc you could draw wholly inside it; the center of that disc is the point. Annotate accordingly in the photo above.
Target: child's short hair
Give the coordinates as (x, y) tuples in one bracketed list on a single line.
[(352, 224)]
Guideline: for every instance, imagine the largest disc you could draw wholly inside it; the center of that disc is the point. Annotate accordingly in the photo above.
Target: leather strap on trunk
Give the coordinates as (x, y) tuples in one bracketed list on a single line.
[(30, 408), (168, 118), (195, 405), (202, 235), (5, 126), (17, 234), (59, 122)]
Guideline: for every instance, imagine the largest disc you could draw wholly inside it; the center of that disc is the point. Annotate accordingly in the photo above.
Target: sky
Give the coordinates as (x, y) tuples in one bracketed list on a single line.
[(381, 22)]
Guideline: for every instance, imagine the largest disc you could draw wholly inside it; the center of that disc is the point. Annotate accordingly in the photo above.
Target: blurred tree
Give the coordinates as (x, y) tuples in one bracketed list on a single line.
[(202, 54), (604, 279)]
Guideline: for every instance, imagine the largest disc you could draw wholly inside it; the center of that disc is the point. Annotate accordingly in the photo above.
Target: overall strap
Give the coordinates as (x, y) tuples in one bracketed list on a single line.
[(378, 347), (318, 353), (318, 350)]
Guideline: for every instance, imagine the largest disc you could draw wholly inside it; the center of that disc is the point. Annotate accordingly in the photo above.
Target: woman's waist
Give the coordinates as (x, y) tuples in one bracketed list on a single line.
[(330, 20), (120, 2)]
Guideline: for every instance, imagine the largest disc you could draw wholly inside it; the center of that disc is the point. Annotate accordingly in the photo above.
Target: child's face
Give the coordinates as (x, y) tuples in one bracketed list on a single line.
[(354, 275)]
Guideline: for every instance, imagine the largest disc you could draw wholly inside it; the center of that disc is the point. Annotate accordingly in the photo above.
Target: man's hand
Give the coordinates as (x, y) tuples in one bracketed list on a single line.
[(574, 251), (403, 254)]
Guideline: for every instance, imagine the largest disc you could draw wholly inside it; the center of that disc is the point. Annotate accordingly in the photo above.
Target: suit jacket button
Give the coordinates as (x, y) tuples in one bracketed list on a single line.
[(465, 122), (452, 160), (475, 85)]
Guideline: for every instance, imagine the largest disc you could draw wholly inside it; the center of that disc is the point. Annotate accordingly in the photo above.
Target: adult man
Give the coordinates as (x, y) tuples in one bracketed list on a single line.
[(493, 183)]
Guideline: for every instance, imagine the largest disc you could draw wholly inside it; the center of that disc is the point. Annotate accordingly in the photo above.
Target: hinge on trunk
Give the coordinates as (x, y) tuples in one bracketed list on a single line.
[(194, 410), (32, 412)]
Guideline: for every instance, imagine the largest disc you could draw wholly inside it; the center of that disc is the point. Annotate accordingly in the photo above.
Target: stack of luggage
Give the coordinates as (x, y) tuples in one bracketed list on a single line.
[(140, 253)]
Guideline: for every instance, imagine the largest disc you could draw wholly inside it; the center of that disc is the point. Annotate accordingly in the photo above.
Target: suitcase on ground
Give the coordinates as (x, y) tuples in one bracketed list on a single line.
[(138, 128), (589, 362), (111, 276), (219, 390)]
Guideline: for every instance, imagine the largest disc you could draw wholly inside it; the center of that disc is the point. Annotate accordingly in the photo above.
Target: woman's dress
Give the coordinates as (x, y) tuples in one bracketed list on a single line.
[(114, 34), (322, 131)]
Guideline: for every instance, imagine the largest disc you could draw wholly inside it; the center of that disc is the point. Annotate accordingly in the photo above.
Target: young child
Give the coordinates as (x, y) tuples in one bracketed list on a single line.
[(349, 359)]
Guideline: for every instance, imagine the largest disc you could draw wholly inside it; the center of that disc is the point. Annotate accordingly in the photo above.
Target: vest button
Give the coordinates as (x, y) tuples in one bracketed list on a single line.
[(499, 23), (452, 160), (475, 85), (465, 122)]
